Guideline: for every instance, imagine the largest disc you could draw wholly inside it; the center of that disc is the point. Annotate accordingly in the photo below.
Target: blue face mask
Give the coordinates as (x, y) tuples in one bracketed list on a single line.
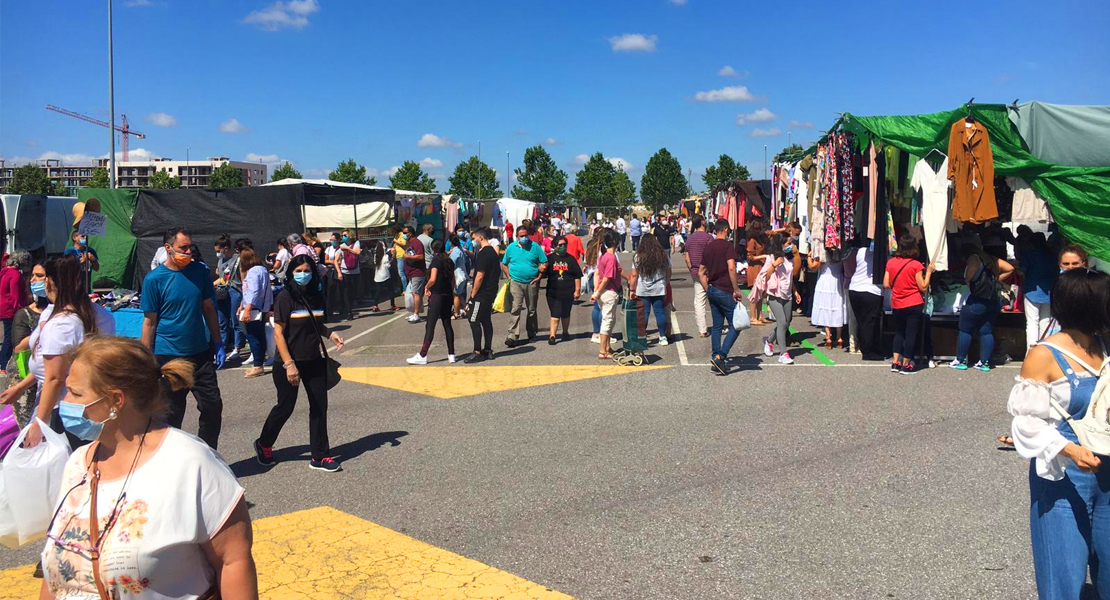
[(788, 249), (524, 242), (38, 288), (302, 277), (82, 240), (335, 243), (346, 239), (75, 421)]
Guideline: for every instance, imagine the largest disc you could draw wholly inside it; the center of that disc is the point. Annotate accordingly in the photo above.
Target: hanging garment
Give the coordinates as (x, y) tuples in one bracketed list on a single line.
[(971, 169), (1028, 207), (732, 208), (832, 201), (451, 214), (935, 216), (873, 184)]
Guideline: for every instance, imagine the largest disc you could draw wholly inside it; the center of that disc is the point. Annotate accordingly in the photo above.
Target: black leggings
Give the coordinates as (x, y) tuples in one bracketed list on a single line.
[(439, 309), (481, 325), (314, 378), (906, 323)]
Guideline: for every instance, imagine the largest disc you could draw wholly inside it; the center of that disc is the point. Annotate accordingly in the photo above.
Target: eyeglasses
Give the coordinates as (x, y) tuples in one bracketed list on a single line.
[(85, 552)]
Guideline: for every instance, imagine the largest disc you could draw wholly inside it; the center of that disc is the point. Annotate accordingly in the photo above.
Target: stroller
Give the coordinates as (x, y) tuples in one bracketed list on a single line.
[(635, 335)]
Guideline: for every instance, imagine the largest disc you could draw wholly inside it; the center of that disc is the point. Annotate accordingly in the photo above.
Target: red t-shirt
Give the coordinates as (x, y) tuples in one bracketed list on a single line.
[(904, 292), (574, 247)]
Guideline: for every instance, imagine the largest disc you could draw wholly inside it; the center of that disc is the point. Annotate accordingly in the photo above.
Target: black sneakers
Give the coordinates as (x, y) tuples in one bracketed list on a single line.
[(718, 364), (264, 455), (325, 464), (477, 357)]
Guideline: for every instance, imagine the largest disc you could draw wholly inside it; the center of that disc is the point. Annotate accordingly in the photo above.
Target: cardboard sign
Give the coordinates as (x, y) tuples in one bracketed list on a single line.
[(93, 224)]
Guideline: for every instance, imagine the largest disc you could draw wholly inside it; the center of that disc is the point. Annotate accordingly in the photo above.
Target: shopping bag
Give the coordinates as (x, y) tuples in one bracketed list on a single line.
[(271, 348), (504, 300), (32, 477), (740, 318), (9, 533), (9, 429)]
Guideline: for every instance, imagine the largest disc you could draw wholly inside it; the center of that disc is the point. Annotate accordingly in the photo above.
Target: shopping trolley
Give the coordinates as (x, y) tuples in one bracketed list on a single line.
[(635, 334)]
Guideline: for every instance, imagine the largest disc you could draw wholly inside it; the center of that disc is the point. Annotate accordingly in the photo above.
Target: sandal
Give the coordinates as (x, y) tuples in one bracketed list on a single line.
[(1006, 440), (605, 356), (374, 309), (703, 335)]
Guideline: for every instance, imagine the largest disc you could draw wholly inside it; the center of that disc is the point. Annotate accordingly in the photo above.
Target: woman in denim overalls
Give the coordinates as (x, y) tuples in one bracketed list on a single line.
[(1069, 492)]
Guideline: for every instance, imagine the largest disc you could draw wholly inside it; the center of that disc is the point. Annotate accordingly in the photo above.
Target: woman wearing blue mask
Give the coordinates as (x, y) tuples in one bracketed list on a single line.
[(298, 328), (25, 321)]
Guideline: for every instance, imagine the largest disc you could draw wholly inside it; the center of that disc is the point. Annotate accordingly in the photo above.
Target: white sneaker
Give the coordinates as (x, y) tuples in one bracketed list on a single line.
[(416, 359), (785, 359), (412, 318), (663, 341), (596, 339), (768, 347), (450, 358)]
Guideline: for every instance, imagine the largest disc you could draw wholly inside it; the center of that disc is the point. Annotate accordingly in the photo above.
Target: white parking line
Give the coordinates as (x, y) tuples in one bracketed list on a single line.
[(347, 342), (682, 360)]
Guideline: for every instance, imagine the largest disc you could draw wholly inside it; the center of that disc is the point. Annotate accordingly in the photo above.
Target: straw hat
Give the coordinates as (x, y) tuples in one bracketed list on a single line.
[(92, 205)]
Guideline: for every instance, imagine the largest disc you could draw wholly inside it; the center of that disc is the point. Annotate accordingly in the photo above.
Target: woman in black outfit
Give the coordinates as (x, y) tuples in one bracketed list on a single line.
[(440, 290), (564, 285), (298, 327)]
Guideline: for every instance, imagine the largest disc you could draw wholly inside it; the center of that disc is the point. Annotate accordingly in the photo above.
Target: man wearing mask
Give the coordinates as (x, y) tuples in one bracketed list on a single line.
[(524, 264), (86, 255), (225, 262), (482, 295), (177, 305), (426, 240), (347, 251), (416, 269), (695, 248)]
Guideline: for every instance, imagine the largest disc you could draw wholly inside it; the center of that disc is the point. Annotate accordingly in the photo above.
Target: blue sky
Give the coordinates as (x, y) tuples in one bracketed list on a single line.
[(317, 81)]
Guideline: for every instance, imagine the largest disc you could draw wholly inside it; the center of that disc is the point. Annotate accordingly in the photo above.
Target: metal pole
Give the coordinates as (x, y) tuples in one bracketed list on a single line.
[(479, 194), (765, 161), (506, 173), (789, 140), (187, 166), (111, 106)]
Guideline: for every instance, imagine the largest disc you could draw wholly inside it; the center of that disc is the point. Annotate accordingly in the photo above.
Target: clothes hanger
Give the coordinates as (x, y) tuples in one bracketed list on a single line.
[(969, 118)]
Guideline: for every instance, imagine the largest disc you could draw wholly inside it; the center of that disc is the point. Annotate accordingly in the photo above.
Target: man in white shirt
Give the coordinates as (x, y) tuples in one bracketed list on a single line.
[(622, 231), (557, 222)]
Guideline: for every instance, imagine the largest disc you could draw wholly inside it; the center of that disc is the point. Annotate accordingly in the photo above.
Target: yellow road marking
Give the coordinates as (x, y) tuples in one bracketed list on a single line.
[(456, 382), (325, 554)]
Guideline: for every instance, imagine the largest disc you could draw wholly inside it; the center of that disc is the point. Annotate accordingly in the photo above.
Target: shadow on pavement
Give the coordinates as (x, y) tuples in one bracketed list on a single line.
[(516, 350), (347, 451)]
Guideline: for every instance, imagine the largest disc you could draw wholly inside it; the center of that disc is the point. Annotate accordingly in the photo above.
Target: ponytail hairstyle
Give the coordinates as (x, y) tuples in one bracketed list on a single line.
[(448, 269), (125, 365), (775, 244), (64, 275)]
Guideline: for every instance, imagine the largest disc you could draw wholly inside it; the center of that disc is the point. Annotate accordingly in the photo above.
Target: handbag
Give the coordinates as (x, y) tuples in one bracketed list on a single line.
[(331, 365), (1093, 426)]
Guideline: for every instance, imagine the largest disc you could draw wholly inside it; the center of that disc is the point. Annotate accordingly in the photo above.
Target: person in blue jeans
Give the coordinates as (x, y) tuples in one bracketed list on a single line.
[(983, 275), (1069, 511), (225, 261), (651, 270), (717, 273)]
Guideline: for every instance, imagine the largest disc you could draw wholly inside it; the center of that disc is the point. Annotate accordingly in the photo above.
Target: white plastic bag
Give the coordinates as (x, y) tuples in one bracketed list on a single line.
[(9, 533), (740, 318), (31, 481), (271, 348)]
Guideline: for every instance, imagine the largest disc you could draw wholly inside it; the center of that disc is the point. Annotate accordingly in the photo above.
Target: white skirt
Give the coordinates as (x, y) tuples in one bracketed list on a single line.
[(829, 306)]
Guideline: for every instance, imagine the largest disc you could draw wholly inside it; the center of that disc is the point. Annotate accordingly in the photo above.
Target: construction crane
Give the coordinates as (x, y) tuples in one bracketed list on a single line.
[(122, 127)]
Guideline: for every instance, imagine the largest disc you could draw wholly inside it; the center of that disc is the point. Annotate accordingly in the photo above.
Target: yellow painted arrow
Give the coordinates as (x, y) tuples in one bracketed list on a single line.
[(457, 382)]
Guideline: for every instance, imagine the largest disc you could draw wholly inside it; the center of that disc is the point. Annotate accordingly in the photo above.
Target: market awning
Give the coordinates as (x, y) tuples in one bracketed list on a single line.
[(324, 192), (342, 216)]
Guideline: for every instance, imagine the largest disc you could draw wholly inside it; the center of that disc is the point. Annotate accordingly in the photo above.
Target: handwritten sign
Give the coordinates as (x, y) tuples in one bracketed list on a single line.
[(93, 224)]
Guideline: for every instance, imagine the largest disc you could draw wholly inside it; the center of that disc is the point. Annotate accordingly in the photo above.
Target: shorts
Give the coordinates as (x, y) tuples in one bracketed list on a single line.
[(416, 285), (560, 307), (608, 302), (460, 289)]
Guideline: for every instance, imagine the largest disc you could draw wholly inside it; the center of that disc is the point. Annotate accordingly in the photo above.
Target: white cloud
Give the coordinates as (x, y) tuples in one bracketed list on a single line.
[(580, 160), (728, 71), (232, 126), (390, 172), (772, 132), (761, 115), (272, 161), (162, 119), (135, 154), (431, 163), (801, 125), (633, 42), (621, 164), (316, 173), (732, 93), (553, 142), (520, 132), (431, 140), (280, 15), (134, 3)]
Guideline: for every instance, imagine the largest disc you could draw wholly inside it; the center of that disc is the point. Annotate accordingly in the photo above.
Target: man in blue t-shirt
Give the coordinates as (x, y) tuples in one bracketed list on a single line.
[(179, 321), (524, 264), (86, 255)]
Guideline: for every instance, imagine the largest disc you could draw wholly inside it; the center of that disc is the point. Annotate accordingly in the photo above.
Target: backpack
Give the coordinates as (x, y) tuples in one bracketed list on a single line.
[(1093, 426), (350, 260), (984, 285), (283, 270)]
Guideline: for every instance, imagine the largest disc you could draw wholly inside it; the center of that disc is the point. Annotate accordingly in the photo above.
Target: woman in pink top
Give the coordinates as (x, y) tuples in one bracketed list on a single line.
[(13, 296), (778, 279)]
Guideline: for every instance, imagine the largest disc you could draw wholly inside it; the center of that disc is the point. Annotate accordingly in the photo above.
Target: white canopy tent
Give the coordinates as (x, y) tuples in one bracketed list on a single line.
[(362, 215)]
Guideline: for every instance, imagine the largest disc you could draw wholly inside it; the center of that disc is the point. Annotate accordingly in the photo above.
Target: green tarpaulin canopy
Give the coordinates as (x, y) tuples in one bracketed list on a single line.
[(1079, 197), (116, 248)]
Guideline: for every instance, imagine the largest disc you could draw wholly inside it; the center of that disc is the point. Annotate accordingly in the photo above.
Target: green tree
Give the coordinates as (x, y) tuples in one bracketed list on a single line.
[(348, 171), (60, 189), (541, 179), (412, 178), (621, 189), (30, 179), (285, 171), (725, 170), (161, 180), (99, 178), (789, 153), (593, 184), (464, 181), (225, 176), (663, 182)]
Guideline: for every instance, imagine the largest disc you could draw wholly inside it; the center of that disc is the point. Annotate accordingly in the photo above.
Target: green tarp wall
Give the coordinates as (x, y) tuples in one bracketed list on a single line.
[(116, 248), (1079, 197)]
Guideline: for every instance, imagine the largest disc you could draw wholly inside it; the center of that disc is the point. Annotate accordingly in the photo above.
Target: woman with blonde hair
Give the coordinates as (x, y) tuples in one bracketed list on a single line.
[(146, 510)]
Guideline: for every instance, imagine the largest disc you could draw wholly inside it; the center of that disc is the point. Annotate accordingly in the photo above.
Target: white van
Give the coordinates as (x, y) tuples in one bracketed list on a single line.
[(35, 223)]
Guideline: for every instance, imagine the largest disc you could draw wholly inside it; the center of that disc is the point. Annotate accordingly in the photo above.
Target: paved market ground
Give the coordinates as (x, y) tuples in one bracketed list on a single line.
[(805, 481)]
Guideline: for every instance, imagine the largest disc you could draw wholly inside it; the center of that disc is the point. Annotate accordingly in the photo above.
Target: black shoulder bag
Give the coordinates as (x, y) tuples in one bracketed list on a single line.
[(331, 364)]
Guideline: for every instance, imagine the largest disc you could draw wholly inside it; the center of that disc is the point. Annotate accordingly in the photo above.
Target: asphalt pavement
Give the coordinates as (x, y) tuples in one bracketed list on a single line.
[(802, 481)]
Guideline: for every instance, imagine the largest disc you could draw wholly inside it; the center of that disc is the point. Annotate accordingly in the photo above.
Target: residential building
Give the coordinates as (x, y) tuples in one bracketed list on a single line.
[(136, 174)]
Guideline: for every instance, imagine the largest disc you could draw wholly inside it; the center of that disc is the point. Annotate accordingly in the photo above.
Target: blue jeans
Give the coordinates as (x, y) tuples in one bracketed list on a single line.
[(256, 337), (979, 316), (595, 317), (655, 303), (236, 302), (721, 304), (6, 351), (227, 327), (1069, 525)]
